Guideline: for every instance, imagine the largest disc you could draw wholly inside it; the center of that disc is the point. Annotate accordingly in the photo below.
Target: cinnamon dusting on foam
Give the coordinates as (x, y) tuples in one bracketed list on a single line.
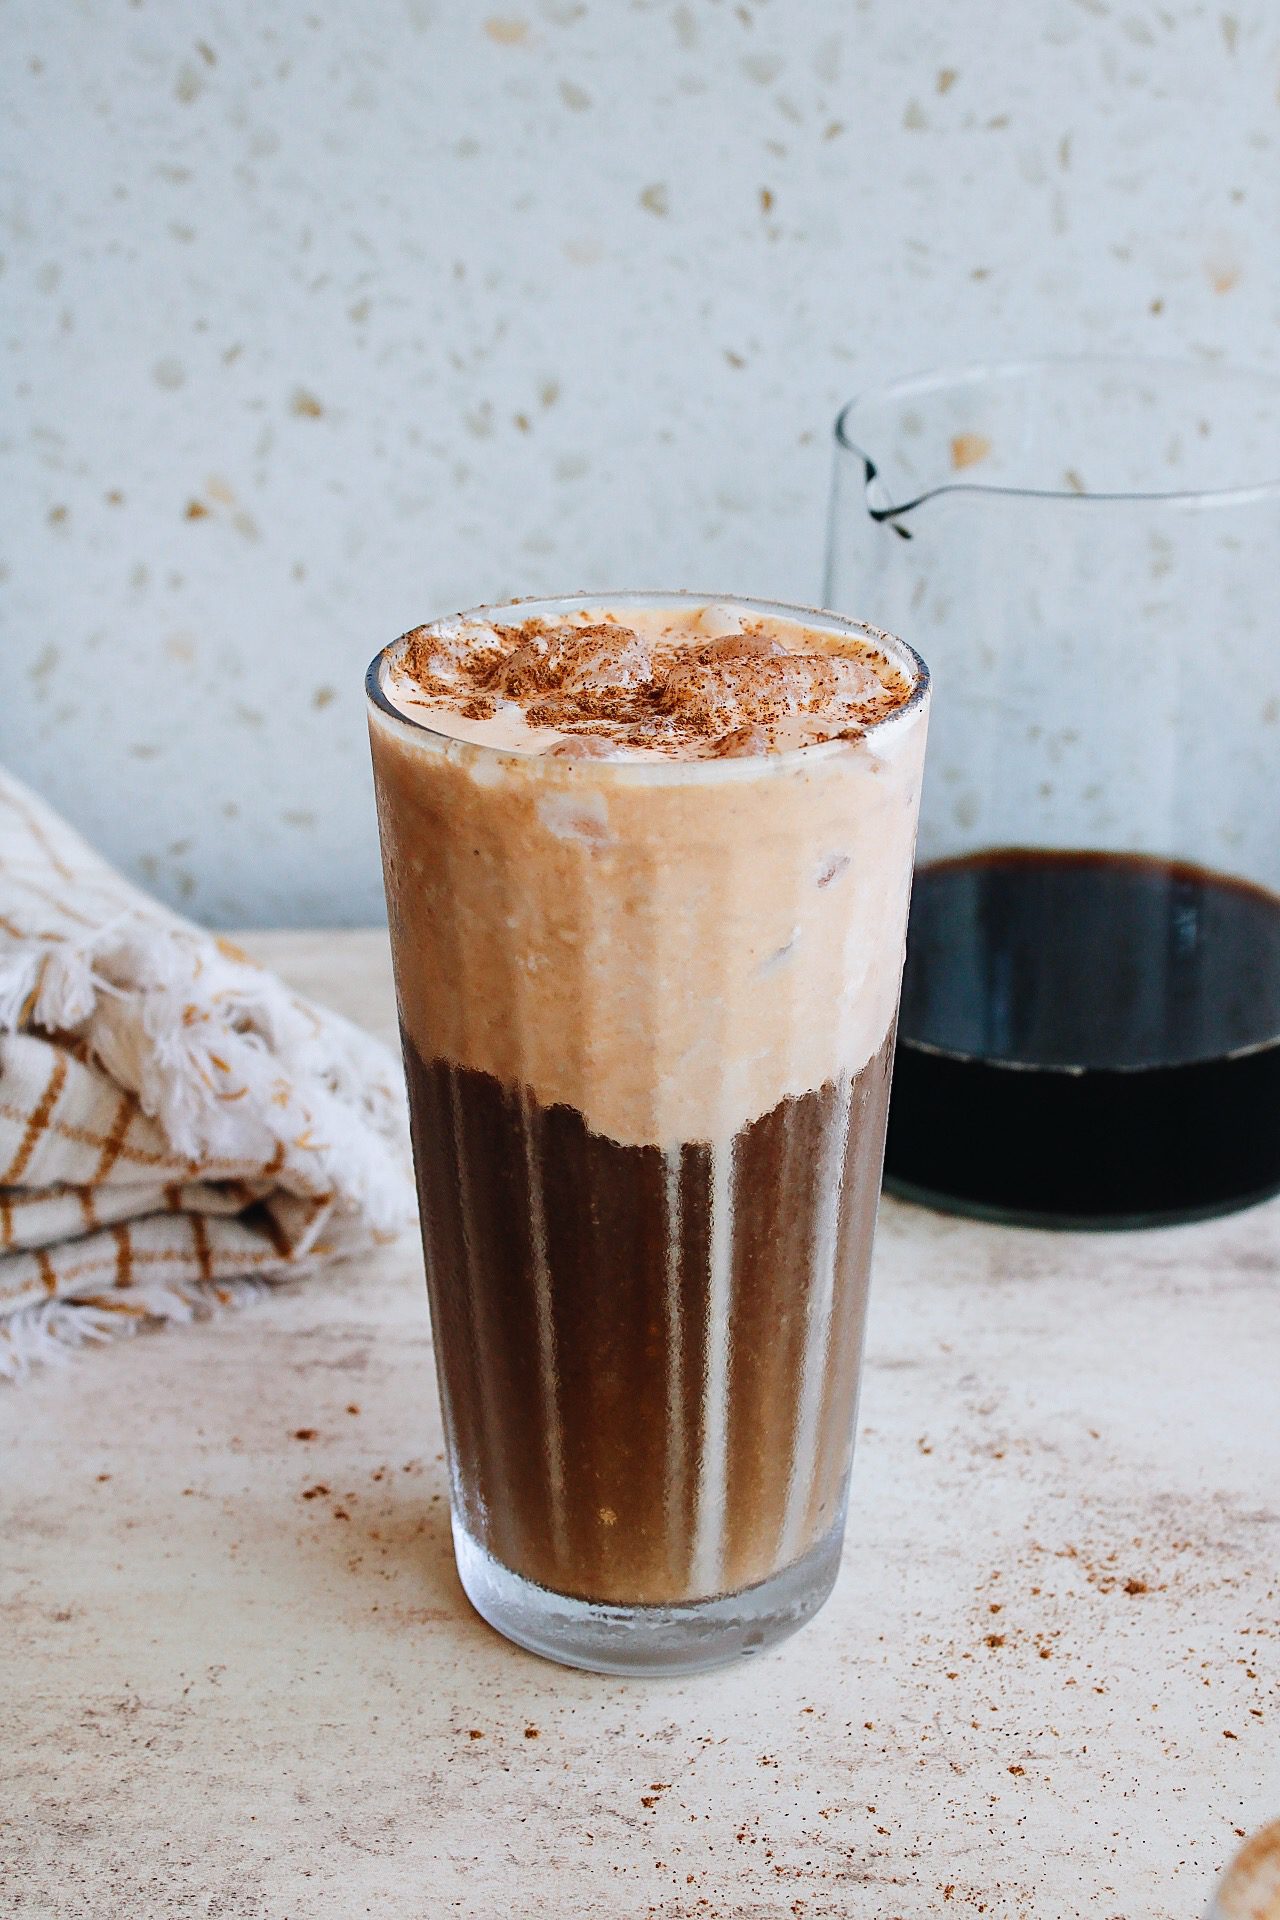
[(668, 942), (675, 688)]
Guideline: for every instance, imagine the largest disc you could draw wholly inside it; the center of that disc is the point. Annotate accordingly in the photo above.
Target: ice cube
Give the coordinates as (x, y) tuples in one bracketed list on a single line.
[(743, 692), (608, 656)]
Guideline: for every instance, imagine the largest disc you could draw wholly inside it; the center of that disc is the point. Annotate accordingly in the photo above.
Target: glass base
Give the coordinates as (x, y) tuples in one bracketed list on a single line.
[(656, 1640), (1009, 1216)]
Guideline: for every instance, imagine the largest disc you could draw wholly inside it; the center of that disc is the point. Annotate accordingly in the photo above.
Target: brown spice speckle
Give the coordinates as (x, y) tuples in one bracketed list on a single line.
[(507, 32), (967, 449)]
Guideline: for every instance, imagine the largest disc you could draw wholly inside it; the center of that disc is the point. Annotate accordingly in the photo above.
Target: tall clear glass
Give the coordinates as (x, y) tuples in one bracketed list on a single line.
[(1088, 551), (647, 1009)]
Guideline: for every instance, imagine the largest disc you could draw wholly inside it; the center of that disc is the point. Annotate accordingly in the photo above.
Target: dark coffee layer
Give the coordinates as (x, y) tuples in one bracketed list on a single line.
[(648, 1362), (1088, 1036)]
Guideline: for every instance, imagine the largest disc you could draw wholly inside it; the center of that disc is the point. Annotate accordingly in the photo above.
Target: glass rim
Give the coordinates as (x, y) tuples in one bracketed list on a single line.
[(665, 771), (974, 371)]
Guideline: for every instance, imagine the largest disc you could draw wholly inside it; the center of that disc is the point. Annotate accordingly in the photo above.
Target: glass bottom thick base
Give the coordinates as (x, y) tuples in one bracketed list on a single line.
[(655, 1640), (1002, 1215)]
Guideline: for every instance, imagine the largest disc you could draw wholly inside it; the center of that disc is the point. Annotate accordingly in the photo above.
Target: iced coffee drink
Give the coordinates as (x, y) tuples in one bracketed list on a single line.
[(647, 864)]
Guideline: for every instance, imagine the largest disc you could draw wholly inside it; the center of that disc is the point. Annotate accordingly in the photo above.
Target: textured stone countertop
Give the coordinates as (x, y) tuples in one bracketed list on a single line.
[(240, 1679)]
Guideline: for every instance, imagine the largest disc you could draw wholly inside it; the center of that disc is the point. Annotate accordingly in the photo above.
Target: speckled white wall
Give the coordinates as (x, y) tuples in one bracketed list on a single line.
[(324, 319)]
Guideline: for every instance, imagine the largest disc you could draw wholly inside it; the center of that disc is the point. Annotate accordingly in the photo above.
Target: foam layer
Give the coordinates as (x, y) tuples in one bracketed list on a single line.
[(669, 946), (702, 680)]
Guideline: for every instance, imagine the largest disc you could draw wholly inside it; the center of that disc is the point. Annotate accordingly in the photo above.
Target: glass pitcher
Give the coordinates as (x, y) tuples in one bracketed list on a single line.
[(1088, 553)]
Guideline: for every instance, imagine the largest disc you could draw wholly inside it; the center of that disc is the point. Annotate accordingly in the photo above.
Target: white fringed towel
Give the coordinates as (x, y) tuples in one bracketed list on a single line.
[(176, 1125)]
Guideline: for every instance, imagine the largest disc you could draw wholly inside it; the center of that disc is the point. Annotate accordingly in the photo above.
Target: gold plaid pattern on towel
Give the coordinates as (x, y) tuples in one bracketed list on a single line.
[(175, 1124)]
